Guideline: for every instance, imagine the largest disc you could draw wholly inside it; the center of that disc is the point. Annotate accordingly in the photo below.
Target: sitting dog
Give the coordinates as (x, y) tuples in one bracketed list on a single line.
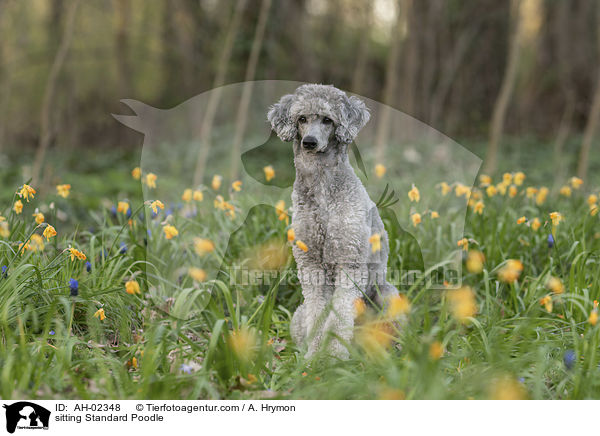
[(332, 214)]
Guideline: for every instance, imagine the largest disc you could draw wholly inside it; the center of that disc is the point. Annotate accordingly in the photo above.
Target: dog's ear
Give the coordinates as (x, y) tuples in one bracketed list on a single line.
[(280, 119), (354, 116)]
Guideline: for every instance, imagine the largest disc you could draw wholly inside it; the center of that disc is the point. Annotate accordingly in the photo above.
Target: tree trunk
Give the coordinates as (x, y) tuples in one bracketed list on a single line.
[(242, 114), (48, 101), (123, 23), (506, 90), (215, 95), (358, 77), (391, 80), (592, 122)]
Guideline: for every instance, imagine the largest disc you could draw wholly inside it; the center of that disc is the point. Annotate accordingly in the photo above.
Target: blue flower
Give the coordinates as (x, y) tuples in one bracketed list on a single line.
[(169, 212), (51, 332), (550, 241), (113, 211), (4, 271), (185, 368), (123, 249), (154, 214), (569, 359), (74, 287), (128, 212), (88, 266)]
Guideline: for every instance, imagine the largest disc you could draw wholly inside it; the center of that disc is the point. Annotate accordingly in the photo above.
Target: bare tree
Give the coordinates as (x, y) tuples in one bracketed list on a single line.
[(592, 122), (49, 94), (506, 90), (215, 95), (242, 114), (122, 25), (362, 52)]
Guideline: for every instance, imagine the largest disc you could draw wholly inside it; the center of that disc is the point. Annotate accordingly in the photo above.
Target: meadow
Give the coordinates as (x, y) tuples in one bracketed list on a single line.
[(83, 315)]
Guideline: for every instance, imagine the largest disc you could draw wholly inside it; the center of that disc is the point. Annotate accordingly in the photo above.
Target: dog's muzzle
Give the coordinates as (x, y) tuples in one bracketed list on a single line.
[(309, 142)]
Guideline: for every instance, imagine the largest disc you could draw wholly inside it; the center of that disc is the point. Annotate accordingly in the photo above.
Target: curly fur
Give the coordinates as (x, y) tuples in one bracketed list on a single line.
[(334, 216)]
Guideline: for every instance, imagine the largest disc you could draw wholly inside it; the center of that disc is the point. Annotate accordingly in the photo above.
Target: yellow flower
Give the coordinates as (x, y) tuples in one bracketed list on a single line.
[(237, 185), (576, 182), (436, 350), (445, 188), (74, 253), (374, 337), (203, 246), (485, 180), (301, 245), (461, 190), (122, 206), (216, 182), (132, 287), (556, 218), (136, 173), (416, 219), (37, 242), (49, 232), (151, 180), (540, 198), (566, 191), (592, 199), (39, 217), (243, 343), (593, 209), (478, 207), (397, 305), (155, 205), (380, 170), (434, 214), (512, 191), (507, 388), (519, 178), (187, 195), (26, 192), (535, 224), (375, 241), (475, 261), (18, 207), (291, 235), (133, 363), (555, 285), (359, 307), (198, 274), (511, 271), (501, 187), (462, 303), (198, 196), (546, 302), (170, 231), (23, 247), (507, 178), (100, 314), (414, 194), (63, 190), (521, 220), (464, 243), (593, 319), (491, 191), (4, 231), (269, 173), (281, 211), (531, 191)]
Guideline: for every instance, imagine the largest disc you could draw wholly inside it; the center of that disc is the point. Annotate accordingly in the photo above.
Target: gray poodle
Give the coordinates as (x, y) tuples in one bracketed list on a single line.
[(332, 214)]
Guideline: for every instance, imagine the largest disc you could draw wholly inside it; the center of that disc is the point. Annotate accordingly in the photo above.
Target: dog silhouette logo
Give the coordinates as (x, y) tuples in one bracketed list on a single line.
[(26, 415)]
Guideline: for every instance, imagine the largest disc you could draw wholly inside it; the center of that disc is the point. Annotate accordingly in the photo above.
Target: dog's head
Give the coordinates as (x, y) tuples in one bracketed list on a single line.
[(316, 115)]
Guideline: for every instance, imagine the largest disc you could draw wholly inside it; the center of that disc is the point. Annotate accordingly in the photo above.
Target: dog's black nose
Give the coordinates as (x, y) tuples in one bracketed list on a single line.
[(309, 142)]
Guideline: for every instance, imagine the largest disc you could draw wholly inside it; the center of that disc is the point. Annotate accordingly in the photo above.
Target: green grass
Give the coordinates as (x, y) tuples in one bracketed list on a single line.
[(236, 343)]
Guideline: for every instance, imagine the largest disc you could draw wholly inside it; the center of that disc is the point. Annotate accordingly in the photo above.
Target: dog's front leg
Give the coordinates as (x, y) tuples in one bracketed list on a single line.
[(312, 278), (340, 321)]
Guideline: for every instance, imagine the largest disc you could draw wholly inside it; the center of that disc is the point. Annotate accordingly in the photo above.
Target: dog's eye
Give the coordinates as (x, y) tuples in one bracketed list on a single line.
[(302, 120), (327, 120)]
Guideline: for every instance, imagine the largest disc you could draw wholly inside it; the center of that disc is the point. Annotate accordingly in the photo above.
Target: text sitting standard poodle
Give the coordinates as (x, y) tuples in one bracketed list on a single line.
[(332, 214)]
